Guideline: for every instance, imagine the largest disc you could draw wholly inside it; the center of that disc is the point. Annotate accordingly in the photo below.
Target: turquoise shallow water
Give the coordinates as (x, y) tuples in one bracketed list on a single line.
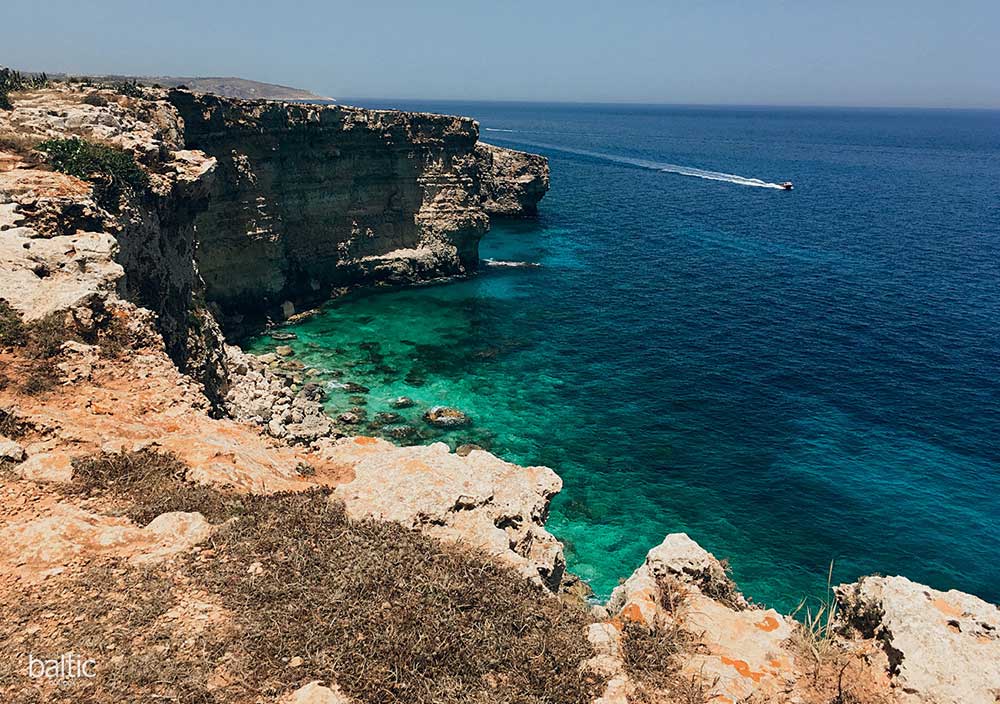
[(791, 378)]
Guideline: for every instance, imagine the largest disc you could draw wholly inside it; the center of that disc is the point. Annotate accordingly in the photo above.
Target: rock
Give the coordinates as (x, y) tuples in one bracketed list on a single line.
[(10, 451), (464, 450), (36, 545), (479, 500), (313, 392), (284, 351), (942, 647), (47, 467), (349, 417), (446, 417), (352, 388), (283, 336), (743, 651), (388, 418), (287, 309), (512, 182), (358, 400), (402, 432), (316, 693), (403, 402)]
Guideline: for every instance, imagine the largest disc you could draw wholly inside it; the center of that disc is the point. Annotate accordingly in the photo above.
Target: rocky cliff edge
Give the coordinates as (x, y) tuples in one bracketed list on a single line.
[(115, 382)]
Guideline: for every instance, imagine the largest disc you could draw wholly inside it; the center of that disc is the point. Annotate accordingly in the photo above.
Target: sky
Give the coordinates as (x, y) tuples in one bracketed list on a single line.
[(769, 52)]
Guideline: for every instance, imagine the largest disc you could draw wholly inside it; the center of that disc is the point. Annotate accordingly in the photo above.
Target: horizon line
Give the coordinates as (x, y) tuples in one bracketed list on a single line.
[(638, 103)]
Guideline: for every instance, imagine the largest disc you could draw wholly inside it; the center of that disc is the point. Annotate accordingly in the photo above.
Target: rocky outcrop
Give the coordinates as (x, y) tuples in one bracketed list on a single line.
[(68, 252), (941, 647), (512, 182), (478, 499), (309, 198), (740, 652)]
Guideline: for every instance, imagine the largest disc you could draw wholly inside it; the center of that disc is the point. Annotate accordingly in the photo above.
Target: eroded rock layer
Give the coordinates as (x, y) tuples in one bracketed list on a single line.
[(312, 197)]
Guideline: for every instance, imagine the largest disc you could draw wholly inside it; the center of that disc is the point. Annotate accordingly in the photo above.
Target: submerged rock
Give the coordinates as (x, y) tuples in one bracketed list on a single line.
[(402, 432), (284, 351), (283, 336), (388, 418), (446, 417), (403, 402)]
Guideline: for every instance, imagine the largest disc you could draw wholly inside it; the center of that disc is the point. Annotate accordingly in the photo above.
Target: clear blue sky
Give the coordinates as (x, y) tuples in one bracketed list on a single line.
[(807, 52)]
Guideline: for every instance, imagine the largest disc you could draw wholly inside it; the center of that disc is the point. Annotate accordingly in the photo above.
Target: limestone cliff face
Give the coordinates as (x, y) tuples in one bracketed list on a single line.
[(512, 182), (142, 252), (310, 197)]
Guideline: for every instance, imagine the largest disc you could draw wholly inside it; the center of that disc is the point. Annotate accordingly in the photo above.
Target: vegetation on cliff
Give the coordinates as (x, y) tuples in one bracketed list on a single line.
[(12, 81), (306, 594), (114, 172)]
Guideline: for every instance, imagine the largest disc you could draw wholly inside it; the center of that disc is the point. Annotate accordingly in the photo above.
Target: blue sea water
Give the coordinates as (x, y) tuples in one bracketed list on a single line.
[(792, 378)]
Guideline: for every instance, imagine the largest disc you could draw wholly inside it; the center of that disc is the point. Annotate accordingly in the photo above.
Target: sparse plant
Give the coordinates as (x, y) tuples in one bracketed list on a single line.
[(12, 81), (11, 326), (130, 88), (96, 99), (114, 172), (815, 631)]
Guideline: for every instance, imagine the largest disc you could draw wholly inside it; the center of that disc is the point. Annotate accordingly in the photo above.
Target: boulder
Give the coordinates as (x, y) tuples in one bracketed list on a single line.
[(942, 647), (446, 417), (478, 500), (403, 402), (316, 693), (10, 451)]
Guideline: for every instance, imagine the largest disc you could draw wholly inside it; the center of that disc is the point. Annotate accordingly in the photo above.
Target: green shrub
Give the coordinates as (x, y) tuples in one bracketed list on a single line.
[(11, 327), (11, 81), (114, 172), (131, 89)]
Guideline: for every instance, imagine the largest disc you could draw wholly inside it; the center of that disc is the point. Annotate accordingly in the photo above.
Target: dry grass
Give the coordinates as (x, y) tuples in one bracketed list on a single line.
[(39, 345), (148, 483), (814, 634), (394, 615), (653, 657), (19, 144), (388, 613)]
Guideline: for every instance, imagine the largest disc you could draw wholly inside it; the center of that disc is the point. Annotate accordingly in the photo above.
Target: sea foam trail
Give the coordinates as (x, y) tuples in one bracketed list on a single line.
[(519, 265), (660, 166)]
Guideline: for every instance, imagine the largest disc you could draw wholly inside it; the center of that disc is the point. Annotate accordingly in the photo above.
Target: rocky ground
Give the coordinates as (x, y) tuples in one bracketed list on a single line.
[(187, 517)]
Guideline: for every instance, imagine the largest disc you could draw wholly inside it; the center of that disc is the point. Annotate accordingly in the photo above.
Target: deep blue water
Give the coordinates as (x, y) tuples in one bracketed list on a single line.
[(789, 377)]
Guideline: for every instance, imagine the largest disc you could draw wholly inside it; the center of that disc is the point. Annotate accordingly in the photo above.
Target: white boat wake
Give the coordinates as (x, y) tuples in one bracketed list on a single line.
[(664, 167), (503, 262)]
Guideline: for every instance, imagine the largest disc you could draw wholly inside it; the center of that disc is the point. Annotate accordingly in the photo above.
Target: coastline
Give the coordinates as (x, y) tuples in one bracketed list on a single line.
[(183, 372)]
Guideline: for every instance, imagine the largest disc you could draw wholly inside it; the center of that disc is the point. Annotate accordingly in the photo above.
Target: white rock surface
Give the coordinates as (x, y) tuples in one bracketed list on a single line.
[(478, 499), (943, 647), (10, 450)]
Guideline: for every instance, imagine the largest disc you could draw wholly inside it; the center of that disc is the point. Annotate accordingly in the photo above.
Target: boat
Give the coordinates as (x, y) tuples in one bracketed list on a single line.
[(787, 185)]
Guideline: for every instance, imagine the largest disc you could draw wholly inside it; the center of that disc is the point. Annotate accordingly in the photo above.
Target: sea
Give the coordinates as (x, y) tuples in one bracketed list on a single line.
[(799, 380)]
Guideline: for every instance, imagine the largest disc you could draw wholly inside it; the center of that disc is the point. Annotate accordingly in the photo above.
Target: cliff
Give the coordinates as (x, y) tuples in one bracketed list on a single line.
[(310, 198), (186, 516), (513, 182)]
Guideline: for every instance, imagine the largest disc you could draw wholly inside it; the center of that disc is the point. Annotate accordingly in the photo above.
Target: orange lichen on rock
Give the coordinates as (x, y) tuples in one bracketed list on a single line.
[(742, 668), (770, 623)]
